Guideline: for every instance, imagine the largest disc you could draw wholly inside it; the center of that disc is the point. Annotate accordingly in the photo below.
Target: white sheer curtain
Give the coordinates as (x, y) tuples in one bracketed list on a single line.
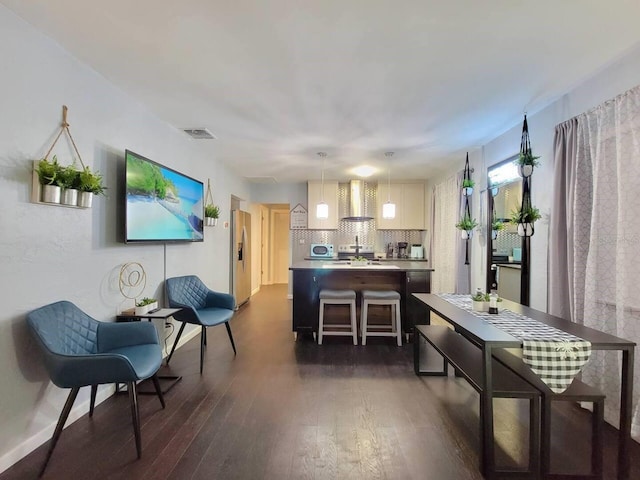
[(602, 227), (445, 251)]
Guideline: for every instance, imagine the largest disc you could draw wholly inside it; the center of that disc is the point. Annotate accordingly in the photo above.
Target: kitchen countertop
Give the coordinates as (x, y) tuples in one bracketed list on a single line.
[(388, 265), (376, 259)]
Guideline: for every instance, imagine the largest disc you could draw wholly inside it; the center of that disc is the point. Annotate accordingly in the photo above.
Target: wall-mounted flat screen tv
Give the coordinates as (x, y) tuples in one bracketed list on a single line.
[(162, 205)]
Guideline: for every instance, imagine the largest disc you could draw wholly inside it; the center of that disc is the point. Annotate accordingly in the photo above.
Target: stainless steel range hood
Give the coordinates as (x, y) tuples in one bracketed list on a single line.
[(356, 208)]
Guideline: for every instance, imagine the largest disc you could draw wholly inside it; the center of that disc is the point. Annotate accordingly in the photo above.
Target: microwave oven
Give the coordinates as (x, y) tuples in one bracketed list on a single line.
[(322, 250)]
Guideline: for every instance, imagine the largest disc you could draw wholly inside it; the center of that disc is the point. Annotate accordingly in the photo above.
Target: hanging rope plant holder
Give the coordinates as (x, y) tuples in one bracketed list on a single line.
[(211, 210), (527, 214), (467, 224), (66, 185)]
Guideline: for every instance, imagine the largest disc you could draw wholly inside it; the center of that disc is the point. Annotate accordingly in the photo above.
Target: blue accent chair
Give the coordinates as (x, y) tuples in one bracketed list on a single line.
[(80, 351), (200, 306)]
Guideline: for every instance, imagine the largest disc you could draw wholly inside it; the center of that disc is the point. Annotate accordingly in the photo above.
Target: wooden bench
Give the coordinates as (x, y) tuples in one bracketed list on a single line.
[(466, 358), (577, 392)]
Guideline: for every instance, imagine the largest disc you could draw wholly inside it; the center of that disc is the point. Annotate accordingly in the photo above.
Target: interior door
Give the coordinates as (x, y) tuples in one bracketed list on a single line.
[(281, 246)]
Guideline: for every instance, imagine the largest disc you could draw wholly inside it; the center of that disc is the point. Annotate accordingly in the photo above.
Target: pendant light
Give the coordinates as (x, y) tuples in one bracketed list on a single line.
[(389, 209), (322, 209)]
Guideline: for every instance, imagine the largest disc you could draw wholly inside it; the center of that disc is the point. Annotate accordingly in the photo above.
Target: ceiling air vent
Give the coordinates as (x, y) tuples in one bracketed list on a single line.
[(199, 133)]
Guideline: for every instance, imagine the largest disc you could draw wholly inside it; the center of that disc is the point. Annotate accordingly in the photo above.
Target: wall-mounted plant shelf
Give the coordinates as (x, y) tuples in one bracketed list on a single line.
[(36, 191)]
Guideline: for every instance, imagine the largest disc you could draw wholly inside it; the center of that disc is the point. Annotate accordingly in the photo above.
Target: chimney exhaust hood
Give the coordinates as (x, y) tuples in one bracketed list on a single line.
[(356, 208)]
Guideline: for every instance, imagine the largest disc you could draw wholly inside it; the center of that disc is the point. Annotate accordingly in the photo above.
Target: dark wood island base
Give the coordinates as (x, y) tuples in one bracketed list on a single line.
[(309, 277)]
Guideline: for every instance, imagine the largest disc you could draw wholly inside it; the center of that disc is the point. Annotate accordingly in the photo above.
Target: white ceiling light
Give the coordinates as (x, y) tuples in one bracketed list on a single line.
[(322, 209), (389, 209), (364, 171)]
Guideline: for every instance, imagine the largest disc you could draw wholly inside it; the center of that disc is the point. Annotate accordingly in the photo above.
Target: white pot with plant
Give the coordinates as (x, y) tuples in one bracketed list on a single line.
[(480, 302), (145, 305), (48, 177), (526, 162), (211, 215), (524, 219), (496, 226), (89, 184), (466, 226), (68, 179), (467, 187)]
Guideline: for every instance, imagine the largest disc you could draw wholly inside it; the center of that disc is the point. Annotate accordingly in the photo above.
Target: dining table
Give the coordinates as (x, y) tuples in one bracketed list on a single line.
[(488, 336)]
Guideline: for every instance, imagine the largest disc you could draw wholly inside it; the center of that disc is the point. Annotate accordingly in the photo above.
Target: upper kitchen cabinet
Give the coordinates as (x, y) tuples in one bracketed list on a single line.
[(410, 210), (315, 194)]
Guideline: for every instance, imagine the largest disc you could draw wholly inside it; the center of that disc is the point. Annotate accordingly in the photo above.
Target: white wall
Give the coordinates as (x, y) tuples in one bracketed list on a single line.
[(615, 79), (51, 253)]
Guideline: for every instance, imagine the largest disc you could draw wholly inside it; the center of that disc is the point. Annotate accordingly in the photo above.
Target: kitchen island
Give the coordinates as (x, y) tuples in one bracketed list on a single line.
[(310, 276)]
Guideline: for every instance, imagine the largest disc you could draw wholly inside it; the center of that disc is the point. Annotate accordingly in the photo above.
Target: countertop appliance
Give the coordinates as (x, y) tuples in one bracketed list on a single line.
[(321, 250), (347, 251), (241, 251), (402, 249), (417, 251)]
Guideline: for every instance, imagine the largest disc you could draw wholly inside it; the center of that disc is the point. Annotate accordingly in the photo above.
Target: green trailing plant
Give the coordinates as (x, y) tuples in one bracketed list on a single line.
[(528, 159), (211, 211), (468, 183), (91, 182), (68, 177), (480, 297), (145, 301), (467, 223), (527, 215), (48, 171)]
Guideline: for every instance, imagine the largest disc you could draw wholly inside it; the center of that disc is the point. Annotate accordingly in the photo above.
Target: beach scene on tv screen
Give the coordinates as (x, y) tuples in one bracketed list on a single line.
[(162, 204)]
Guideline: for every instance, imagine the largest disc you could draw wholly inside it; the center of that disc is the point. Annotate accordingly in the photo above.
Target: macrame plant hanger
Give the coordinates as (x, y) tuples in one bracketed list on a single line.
[(467, 209), (208, 199), (64, 127), (525, 149)]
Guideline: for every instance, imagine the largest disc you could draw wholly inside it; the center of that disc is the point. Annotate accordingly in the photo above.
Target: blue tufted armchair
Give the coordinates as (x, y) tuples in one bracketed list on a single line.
[(200, 306), (80, 351)]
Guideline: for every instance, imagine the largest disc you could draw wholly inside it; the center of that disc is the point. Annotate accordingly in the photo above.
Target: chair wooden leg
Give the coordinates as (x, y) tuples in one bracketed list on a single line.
[(135, 415), (176, 341), (156, 384), (231, 337), (203, 341), (94, 391), (60, 425)]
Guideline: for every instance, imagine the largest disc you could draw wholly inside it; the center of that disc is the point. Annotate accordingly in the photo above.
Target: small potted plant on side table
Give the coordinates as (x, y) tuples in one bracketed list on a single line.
[(145, 305)]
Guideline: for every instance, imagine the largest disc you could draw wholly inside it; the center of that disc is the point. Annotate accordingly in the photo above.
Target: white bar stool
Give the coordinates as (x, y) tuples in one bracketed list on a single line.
[(386, 297), (338, 297)]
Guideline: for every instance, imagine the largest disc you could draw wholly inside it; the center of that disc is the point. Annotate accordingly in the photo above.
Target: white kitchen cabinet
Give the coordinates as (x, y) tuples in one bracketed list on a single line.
[(410, 209), (315, 196)]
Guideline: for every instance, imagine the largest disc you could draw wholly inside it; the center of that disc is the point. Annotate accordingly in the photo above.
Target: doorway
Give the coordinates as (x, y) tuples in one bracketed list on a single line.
[(275, 244)]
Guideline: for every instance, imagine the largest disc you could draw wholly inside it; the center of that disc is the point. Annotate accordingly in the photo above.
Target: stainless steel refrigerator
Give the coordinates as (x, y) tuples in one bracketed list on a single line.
[(241, 254)]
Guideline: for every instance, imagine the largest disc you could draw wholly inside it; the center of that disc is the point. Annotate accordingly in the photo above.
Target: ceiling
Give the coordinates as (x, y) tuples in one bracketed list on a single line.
[(277, 81)]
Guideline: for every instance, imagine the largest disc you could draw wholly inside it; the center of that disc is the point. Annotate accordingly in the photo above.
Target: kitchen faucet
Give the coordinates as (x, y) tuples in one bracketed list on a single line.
[(357, 247)]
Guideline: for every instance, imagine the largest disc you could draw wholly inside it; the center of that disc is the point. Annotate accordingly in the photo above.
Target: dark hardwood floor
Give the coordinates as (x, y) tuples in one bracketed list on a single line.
[(283, 409)]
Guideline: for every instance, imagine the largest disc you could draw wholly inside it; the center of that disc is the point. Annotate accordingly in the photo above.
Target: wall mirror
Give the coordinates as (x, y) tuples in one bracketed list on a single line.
[(504, 247)]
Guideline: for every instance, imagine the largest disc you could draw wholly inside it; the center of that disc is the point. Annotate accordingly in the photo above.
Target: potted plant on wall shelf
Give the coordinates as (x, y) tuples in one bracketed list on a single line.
[(467, 187), (89, 184), (524, 218), (48, 177), (526, 161), (68, 179), (466, 225), (211, 215)]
